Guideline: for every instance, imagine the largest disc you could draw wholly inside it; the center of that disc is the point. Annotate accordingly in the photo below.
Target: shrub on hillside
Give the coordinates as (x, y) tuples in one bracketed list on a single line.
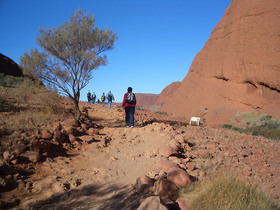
[(27, 104), (161, 113), (10, 81), (263, 125)]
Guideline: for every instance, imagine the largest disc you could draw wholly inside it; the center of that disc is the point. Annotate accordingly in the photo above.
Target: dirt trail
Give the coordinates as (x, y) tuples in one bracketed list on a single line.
[(100, 174), (103, 172)]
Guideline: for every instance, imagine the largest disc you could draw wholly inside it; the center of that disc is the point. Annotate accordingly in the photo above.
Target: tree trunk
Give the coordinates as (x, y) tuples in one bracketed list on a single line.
[(77, 111)]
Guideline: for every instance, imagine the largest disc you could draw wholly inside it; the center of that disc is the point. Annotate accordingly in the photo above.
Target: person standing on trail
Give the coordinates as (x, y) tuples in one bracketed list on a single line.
[(110, 98), (129, 103), (103, 99), (93, 97), (88, 96)]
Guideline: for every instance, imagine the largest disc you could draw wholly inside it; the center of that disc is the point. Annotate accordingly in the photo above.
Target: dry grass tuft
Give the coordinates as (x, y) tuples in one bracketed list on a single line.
[(225, 192)]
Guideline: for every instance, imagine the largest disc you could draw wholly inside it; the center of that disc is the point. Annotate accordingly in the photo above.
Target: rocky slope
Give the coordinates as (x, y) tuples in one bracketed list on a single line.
[(238, 69)]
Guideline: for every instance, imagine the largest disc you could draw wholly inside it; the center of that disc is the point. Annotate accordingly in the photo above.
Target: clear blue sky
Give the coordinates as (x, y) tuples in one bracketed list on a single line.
[(158, 39)]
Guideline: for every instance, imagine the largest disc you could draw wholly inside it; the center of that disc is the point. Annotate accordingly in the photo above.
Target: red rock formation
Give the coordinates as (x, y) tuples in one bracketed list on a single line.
[(9, 67), (238, 69), (145, 99), (168, 92)]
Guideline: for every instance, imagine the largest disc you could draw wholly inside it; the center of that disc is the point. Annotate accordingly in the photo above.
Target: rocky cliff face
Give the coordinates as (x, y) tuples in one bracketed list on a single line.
[(9, 67), (238, 69)]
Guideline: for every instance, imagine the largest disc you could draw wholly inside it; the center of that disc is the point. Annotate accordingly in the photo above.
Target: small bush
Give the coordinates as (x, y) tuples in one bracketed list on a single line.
[(225, 193), (10, 81), (226, 126), (273, 134), (161, 113)]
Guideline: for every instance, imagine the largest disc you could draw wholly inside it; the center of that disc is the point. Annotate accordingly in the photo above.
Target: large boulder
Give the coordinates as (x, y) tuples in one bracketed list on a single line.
[(165, 189), (238, 69), (179, 177)]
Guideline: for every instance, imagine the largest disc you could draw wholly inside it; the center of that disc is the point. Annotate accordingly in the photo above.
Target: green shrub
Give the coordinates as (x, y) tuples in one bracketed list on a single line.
[(162, 113), (227, 126), (10, 81), (273, 134)]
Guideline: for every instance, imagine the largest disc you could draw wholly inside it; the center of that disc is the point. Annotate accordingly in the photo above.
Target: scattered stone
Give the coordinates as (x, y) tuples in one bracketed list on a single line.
[(202, 153), (183, 204), (42, 146), (87, 139), (167, 151), (60, 136), (165, 189), (90, 131), (46, 134), (84, 126), (179, 177), (72, 138), (71, 130), (180, 138), (70, 122), (58, 187), (144, 184), (19, 148), (175, 160), (152, 203), (6, 155), (32, 156), (165, 165), (190, 166), (57, 127)]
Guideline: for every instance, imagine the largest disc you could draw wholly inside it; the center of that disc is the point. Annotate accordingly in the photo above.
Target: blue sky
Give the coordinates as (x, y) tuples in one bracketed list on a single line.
[(158, 39)]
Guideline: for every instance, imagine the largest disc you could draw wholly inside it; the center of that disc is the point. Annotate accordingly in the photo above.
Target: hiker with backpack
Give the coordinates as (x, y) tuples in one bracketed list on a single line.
[(88, 96), (93, 98), (129, 103), (110, 98), (103, 99)]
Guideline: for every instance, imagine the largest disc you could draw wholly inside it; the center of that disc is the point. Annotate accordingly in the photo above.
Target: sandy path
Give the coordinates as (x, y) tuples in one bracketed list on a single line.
[(99, 175)]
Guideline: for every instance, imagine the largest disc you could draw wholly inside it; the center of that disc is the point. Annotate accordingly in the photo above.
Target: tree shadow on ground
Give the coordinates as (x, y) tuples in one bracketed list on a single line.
[(102, 197)]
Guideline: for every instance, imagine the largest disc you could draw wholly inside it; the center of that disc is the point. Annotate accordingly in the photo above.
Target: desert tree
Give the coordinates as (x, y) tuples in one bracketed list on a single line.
[(70, 52)]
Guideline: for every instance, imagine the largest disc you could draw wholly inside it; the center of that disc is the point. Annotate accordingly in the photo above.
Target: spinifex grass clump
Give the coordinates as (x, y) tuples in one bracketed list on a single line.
[(225, 193)]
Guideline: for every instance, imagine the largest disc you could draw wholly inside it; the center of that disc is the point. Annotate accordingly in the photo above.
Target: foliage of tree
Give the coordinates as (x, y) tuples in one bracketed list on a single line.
[(70, 53)]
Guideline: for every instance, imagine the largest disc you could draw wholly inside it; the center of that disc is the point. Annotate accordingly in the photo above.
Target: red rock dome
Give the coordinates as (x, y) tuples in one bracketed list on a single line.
[(238, 69)]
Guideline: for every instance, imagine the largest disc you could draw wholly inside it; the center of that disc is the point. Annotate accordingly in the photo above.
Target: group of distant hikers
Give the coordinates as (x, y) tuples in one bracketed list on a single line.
[(129, 103), (92, 98)]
